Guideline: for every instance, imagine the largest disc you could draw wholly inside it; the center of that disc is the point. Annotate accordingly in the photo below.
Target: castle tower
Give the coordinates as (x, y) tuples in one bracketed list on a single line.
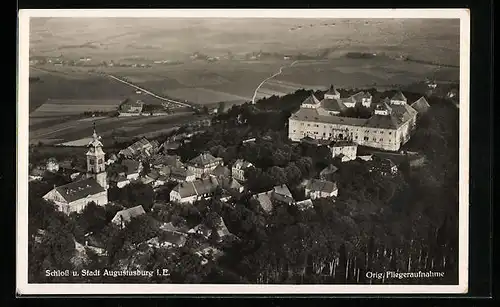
[(96, 166)]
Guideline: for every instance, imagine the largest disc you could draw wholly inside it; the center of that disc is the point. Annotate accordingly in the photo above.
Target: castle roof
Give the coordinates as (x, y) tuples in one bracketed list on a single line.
[(399, 96), (420, 105), (358, 96), (332, 91), (333, 105), (311, 99), (79, 189)]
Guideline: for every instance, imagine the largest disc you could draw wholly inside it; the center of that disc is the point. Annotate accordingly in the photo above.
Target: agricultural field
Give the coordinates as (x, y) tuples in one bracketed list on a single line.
[(78, 131), (63, 107)]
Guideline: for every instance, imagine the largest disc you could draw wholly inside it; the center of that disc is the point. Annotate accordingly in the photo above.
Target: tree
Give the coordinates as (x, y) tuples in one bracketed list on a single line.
[(141, 228), (92, 218)]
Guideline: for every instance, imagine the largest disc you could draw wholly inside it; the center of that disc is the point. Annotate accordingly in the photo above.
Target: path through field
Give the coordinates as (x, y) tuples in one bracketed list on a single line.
[(271, 77), (148, 92)]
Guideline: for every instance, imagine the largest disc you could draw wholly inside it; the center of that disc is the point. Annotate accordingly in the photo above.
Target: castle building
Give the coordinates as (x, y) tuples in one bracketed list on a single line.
[(388, 128), (93, 187)]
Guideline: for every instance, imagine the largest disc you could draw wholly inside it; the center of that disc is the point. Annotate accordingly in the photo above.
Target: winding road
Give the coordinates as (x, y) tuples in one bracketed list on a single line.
[(148, 92), (269, 78)]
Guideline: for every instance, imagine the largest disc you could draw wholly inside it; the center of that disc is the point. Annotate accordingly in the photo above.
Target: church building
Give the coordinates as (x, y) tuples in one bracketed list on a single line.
[(93, 187)]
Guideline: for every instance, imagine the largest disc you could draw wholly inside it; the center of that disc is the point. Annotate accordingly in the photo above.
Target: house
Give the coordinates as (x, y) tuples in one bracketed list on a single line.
[(122, 181), (239, 168), (170, 227), (155, 179), (264, 199), (141, 147), (321, 189), (133, 169), (181, 174), (221, 171), (189, 192), (123, 217), (345, 150), (231, 185), (282, 194), (52, 165), (160, 161), (304, 204), (168, 239), (74, 196), (327, 172), (385, 167), (202, 230), (203, 164)]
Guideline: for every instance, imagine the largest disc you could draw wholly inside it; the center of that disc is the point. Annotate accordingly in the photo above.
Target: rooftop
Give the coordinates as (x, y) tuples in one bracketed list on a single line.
[(322, 185), (420, 105), (204, 159), (79, 189), (399, 96), (242, 164), (127, 214)]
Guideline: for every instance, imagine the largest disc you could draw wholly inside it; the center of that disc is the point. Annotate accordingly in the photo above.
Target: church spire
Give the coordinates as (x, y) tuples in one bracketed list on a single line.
[(94, 134)]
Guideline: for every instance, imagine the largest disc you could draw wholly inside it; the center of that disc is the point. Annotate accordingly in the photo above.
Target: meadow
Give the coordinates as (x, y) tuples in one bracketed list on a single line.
[(58, 95)]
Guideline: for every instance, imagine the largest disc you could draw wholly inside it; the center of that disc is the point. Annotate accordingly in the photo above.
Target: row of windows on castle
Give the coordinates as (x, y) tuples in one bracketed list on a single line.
[(354, 134)]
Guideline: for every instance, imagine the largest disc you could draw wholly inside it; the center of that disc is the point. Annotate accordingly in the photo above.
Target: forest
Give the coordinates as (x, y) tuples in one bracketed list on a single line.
[(402, 223)]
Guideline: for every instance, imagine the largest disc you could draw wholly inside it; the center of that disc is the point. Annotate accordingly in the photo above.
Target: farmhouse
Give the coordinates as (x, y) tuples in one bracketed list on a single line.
[(131, 107), (203, 164), (74, 196), (388, 128), (321, 189)]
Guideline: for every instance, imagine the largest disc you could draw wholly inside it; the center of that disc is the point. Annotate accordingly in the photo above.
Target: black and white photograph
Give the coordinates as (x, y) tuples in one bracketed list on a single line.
[(243, 151)]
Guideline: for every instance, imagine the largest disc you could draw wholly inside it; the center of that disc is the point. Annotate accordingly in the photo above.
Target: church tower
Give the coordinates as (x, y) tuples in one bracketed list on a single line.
[(96, 166)]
